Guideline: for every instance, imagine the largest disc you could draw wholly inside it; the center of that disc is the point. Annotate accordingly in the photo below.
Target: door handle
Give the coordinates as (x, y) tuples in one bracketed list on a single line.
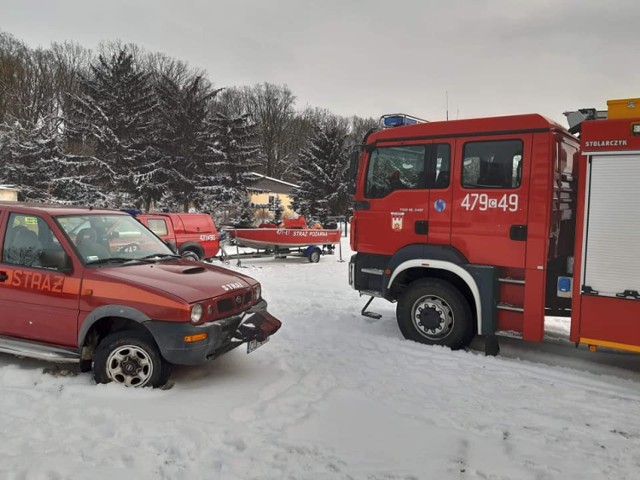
[(3, 276), (518, 233), (422, 227)]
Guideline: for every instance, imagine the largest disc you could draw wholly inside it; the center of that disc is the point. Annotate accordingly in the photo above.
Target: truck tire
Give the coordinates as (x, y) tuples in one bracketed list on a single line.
[(434, 312), (130, 358)]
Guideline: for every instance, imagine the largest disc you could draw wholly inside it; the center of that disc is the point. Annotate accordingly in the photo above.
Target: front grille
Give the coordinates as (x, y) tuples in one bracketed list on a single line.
[(225, 305), (236, 301)]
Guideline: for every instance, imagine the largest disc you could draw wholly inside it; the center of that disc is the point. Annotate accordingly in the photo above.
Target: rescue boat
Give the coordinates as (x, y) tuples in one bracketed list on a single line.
[(276, 238), (291, 233)]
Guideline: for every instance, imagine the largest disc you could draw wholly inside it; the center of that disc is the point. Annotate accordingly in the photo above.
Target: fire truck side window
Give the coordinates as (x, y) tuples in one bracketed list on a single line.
[(492, 164), (395, 168)]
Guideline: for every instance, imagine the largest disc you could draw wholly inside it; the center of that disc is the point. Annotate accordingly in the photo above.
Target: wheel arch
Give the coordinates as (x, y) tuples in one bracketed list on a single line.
[(407, 272), (193, 247), (108, 319)]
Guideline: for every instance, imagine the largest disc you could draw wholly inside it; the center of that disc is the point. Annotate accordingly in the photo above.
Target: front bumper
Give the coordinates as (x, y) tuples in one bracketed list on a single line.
[(222, 335)]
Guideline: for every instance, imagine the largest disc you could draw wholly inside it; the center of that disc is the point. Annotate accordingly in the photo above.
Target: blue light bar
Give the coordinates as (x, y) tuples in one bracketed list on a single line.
[(131, 211), (399, 120)]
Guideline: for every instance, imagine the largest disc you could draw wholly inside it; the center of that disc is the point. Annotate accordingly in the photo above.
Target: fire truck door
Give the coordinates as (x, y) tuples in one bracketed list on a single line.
[(490, 197), (395, 211)]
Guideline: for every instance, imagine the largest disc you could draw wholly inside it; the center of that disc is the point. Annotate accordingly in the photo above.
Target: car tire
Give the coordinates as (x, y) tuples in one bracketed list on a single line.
[(191, 255), (130, 358), (434, 312)]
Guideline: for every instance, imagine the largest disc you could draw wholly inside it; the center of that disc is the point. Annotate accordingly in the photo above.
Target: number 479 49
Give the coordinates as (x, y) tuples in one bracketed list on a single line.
[(482, 202)]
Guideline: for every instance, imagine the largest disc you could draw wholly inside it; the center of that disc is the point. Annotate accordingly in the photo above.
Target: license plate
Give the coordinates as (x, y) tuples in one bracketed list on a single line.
[(255, 344)]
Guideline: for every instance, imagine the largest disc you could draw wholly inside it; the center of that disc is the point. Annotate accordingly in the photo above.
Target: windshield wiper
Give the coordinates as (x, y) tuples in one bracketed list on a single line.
[(129, 261), (163, 256), (102, 261)]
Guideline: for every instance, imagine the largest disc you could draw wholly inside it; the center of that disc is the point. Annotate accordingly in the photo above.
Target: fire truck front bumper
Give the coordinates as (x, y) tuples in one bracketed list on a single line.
[(366, 274)]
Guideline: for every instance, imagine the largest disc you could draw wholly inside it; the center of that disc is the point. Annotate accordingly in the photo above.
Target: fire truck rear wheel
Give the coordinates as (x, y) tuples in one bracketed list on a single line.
[(434, 312), (130, 358)]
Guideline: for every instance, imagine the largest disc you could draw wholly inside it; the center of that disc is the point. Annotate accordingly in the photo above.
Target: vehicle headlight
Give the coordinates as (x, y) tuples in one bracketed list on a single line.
[(257, 292), (196, 313)]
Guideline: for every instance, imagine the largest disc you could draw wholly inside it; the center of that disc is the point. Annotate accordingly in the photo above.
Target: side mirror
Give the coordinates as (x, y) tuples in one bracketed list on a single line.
[(56, 260), (353, 171)]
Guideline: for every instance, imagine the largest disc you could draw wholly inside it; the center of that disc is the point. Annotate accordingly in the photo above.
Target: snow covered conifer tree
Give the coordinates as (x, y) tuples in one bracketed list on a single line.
[(228, 180), (186, 138), (321, 173), (33, 159), (111, 124)]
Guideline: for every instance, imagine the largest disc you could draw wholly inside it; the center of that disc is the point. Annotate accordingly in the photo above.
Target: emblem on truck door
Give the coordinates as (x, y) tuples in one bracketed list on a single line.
[(396, 221), (440, 205)]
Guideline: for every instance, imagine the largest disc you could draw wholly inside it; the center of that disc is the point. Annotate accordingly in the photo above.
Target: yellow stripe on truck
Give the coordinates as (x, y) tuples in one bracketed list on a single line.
[(602, 343)]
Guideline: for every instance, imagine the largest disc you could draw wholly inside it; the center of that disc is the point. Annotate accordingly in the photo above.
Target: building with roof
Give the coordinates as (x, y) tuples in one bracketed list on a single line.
[(9, 192), (263, 193)]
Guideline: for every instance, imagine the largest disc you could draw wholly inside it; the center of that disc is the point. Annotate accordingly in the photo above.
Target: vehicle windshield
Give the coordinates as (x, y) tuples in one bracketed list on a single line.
[(109, 238)]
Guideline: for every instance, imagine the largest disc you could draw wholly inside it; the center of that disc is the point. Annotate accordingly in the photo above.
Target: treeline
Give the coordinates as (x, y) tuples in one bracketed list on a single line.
[(122, 127)]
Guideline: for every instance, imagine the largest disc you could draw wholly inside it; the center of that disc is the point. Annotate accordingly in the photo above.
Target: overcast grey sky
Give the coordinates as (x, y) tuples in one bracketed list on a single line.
[(367, 58)]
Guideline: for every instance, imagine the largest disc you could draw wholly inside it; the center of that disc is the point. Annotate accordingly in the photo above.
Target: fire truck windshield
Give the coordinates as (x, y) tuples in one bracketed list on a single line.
[(394, 168), (407, 168)]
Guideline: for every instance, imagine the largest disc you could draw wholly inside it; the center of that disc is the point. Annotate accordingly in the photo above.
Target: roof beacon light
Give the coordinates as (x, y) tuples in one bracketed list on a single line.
[(131, 211), (399, 120)]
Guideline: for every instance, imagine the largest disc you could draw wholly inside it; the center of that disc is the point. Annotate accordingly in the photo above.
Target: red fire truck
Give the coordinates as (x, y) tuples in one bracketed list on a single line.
[(487, 225)]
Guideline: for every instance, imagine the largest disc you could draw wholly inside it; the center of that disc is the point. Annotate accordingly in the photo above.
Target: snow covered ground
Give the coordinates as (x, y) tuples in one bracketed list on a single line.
[(334, 395)]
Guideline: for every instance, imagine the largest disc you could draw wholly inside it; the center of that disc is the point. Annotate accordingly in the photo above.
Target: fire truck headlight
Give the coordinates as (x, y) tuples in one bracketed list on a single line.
[(635, 129)]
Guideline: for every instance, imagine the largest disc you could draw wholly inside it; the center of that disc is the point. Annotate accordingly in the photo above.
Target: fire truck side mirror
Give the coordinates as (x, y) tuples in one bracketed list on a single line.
[(353, 170)]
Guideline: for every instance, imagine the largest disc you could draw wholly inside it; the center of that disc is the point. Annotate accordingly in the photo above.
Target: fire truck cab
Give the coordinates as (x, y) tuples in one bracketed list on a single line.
[(481, 226)]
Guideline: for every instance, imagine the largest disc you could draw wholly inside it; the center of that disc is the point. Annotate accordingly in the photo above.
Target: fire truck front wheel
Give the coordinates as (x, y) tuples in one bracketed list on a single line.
[(434, 312)]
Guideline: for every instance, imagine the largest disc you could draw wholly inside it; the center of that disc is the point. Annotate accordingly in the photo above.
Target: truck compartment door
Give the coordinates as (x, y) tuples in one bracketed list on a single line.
[(610, 283)]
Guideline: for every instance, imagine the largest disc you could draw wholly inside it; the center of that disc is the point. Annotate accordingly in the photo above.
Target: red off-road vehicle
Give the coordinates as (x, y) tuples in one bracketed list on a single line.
[(193, 235), (98, 288)]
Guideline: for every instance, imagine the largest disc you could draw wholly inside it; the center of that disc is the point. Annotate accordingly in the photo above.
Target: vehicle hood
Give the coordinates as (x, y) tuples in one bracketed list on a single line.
[(190, 281)]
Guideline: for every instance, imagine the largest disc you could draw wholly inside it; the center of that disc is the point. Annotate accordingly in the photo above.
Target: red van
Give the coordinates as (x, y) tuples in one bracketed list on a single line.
[(193, 235), (96, 287)]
